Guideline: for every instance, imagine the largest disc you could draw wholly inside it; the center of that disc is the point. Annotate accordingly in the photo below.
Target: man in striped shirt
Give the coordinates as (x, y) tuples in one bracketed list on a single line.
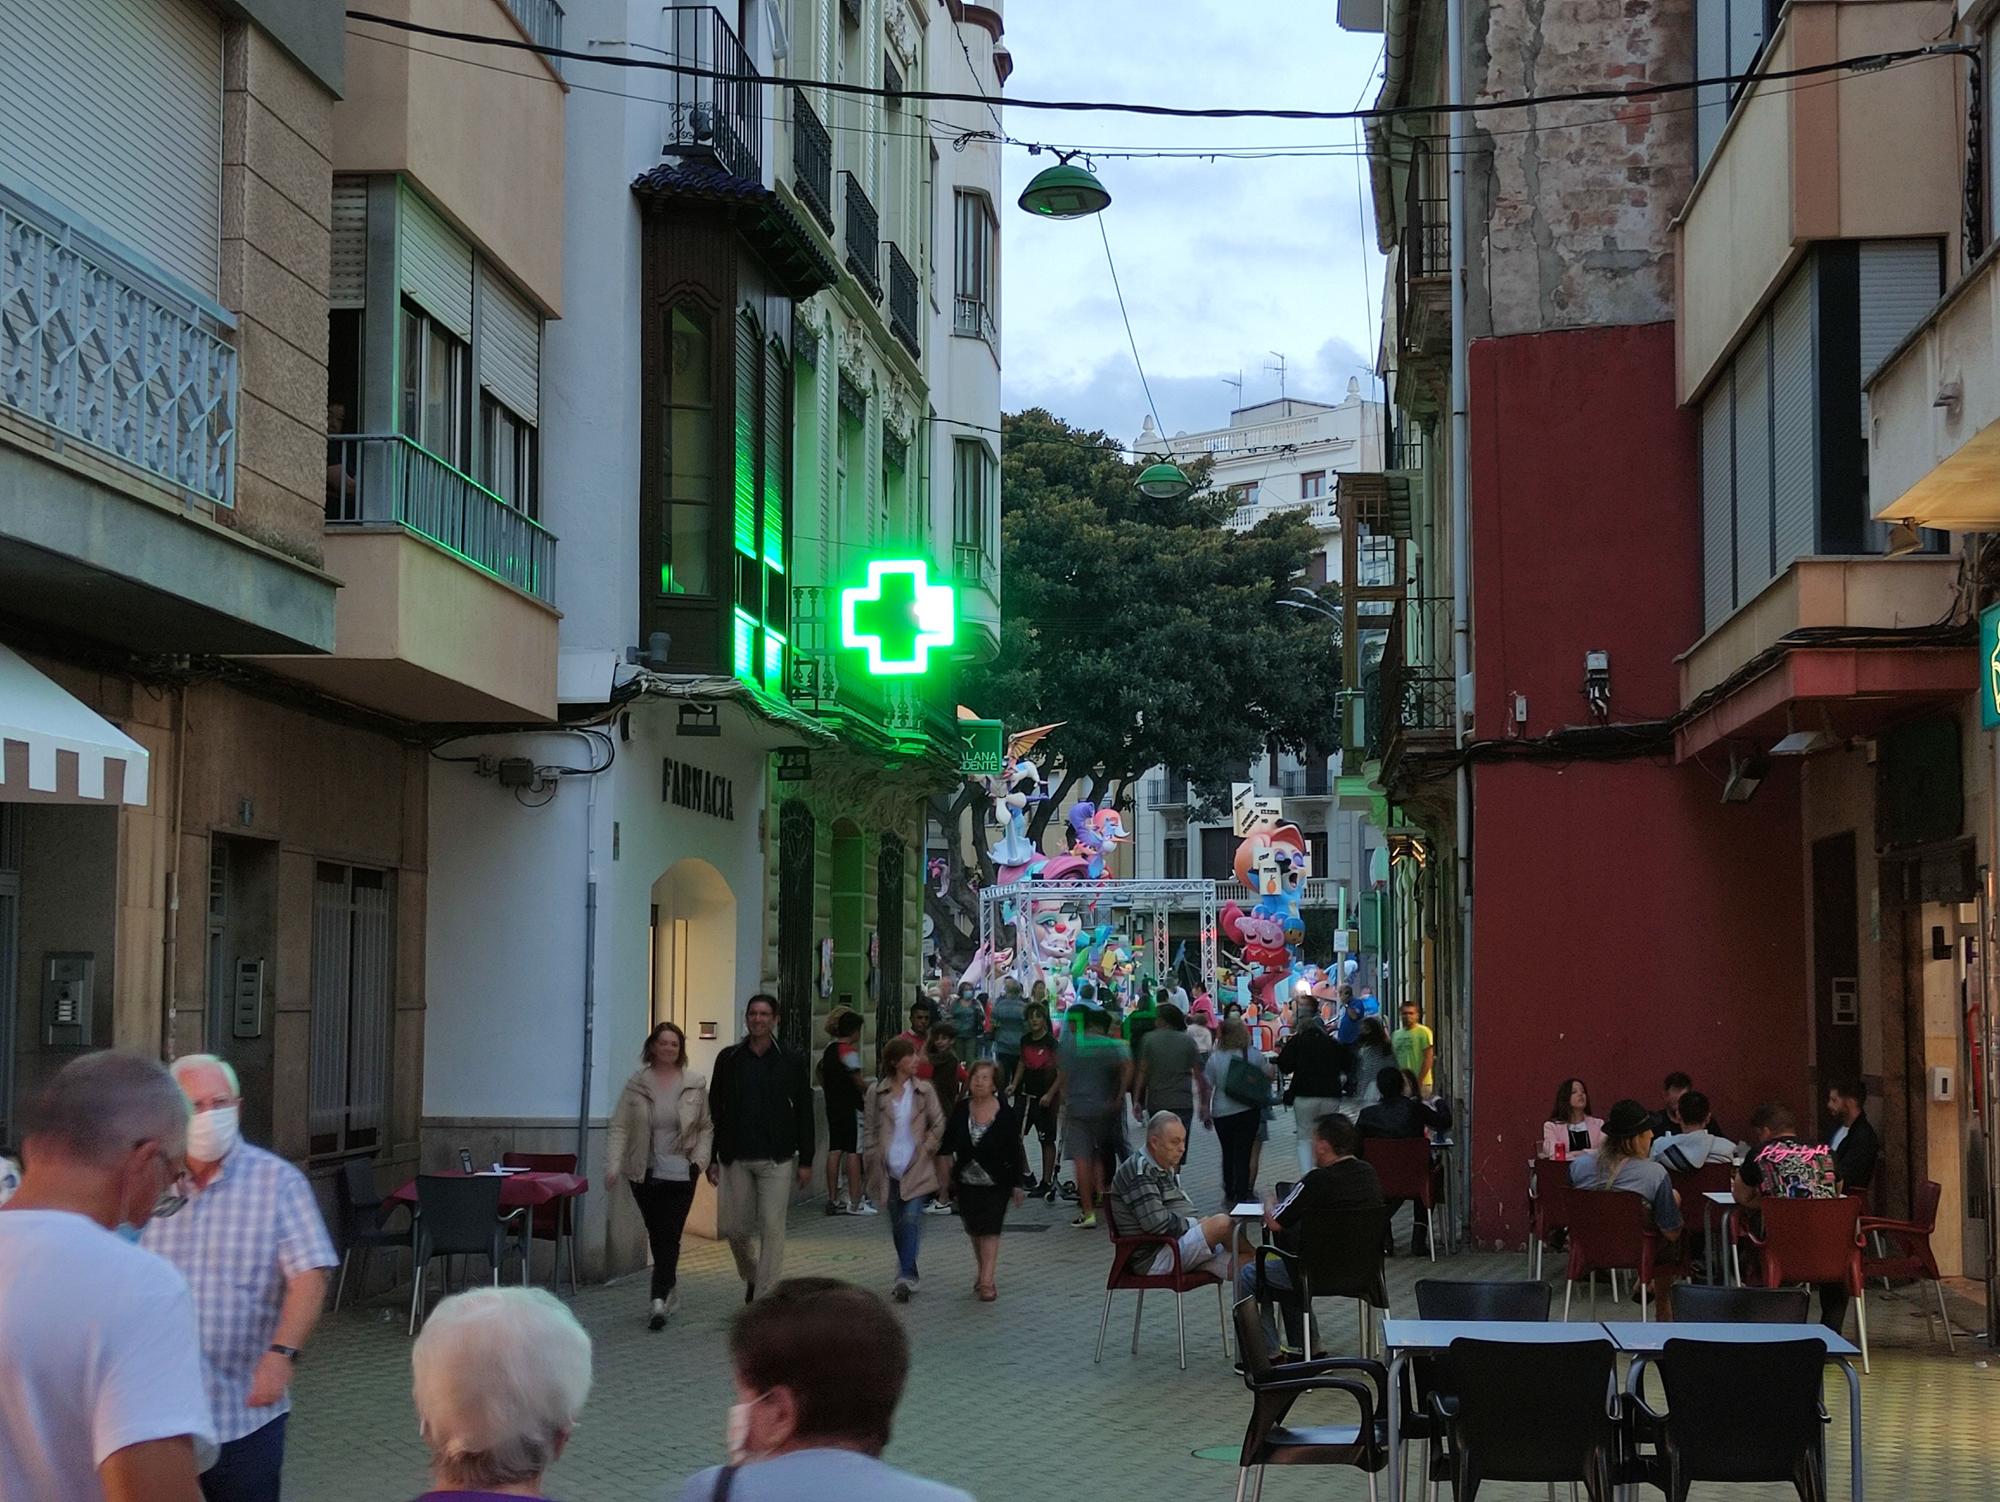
[(254, 1249)]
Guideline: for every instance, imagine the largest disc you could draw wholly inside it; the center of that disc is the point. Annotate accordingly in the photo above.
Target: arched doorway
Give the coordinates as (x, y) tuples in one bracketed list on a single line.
[(694, 953), (850, 917)]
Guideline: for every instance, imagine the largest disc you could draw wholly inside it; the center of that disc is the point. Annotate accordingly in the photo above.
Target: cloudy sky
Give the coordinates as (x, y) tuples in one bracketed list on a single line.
[(1221, 263)]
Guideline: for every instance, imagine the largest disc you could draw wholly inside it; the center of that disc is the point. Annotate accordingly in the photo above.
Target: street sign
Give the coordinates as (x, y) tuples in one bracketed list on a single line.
[(985, 753), (898, 616), (1989, 667)]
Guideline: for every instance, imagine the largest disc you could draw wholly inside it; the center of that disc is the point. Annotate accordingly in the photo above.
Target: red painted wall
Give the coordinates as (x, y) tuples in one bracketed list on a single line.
[(1626, 921)]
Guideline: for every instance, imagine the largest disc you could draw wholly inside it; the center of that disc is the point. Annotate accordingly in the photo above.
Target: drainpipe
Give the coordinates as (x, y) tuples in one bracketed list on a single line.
[(1461, 563), (589, 973), (170, 940)]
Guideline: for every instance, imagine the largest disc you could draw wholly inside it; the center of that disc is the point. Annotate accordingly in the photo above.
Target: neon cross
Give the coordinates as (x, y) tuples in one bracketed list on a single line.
[(898, 617)]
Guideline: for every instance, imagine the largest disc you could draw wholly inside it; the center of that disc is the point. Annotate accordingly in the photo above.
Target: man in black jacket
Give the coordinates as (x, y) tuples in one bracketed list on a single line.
[(762, 1103), (1338, 1183), (1853, 1143)]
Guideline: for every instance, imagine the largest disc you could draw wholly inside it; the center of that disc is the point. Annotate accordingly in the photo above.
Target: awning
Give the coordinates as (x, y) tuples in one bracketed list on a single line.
[(56, 749)]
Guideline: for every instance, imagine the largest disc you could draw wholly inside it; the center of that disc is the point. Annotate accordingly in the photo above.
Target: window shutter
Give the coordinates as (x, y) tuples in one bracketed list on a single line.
[(510, 346), (749, 353), (1794, 421), (103, 104), (824, 380), (1899, 285), (347, 286), (1718, 514), (777, 387), (435, 266), (1753, 463)]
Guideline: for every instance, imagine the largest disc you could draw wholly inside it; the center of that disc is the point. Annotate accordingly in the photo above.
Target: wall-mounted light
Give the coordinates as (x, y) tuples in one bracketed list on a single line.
[(794, 764), (1746, 775)]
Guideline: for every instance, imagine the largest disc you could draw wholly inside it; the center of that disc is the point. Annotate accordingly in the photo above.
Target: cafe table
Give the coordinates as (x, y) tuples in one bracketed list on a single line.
[(520, 1190), (1644, 1342), (1717, 1208)]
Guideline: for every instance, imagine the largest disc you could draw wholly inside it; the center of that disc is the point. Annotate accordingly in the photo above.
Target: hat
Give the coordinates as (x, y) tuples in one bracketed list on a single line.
[(1627, 1119)]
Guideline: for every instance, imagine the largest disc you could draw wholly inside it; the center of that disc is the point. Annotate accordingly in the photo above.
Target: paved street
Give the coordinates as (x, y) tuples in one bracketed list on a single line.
[(1004, 1399)]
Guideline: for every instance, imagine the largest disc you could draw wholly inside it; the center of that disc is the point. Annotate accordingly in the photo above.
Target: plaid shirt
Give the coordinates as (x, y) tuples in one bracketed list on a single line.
[(239, 1241), (1146, 1200)]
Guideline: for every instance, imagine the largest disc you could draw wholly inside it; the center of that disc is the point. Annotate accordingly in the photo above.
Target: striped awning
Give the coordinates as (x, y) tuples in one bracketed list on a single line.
[(56, 749)]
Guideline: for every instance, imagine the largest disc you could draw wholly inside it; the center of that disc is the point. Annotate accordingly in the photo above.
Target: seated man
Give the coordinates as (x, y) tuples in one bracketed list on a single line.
[(1624, 1163), (1400, 1114), (1694, 1142), (1338, 1182), (1146, 1199), (1783, 1167), (1854, 1145)]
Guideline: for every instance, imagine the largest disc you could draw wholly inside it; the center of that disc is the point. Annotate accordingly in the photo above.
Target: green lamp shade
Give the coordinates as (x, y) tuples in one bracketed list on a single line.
[(1065, 191), (1164, 482)]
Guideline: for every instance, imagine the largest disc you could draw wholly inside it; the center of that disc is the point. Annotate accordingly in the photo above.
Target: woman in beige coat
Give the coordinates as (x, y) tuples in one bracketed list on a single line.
[(661, 1135), (902, 1126)]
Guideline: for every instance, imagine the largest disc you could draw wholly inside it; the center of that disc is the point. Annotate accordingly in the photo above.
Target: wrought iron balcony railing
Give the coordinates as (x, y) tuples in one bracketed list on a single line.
[(973, 317), (384, 479), (912, 716), (905, 302), (110, 355), (542, 20), (1167, 792), (864, 243), (812, 161), (718, 115), (971, 564), (1305, 782)]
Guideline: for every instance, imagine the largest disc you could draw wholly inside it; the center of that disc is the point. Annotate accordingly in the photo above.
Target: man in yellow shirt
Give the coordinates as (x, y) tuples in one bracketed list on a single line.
[(1414, 1045)]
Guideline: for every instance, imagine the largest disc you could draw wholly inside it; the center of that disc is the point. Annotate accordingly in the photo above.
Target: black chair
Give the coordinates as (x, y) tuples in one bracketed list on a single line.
[(1703, 1303), (1268, 1440), (455, 1215), (1338, 1257), (1444, 1298), (1736, 1413), (1544, 1413), (553, 1221), (360, 1213)]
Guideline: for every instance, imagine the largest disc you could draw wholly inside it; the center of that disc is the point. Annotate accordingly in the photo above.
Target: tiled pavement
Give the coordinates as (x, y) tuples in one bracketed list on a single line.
[(1004, 1399)]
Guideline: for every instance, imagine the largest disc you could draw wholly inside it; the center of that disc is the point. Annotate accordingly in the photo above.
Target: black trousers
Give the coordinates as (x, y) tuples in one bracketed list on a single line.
[(664, 1203), (248, 1469), (1833, 1301), (1236, 1132)]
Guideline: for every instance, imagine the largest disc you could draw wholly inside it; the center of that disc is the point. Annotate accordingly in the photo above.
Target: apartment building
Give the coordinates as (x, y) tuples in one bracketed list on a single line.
[(212, 831), (765, 362)]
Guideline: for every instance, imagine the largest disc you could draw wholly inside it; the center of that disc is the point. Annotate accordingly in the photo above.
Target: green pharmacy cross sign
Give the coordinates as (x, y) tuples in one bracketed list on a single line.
[(1989, 667), (898, 616)]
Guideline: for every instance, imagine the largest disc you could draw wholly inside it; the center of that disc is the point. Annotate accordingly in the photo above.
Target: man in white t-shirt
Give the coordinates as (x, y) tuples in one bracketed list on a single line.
[(101, 1392)]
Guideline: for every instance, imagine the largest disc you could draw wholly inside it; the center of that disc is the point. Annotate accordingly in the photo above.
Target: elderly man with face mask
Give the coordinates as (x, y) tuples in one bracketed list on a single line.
[(255, 1251)]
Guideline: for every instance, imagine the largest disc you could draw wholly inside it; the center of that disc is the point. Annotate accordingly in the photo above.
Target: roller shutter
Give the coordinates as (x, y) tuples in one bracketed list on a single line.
[(1794, 425), (1718, 514), (510, 346), (1753, 463), (1899, 285), (113, 109), (435, 266), (348, 284)]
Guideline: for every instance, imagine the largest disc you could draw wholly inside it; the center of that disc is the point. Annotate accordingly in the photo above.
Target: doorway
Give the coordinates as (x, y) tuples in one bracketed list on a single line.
[(850, 917), (241, 940), (694, 955)]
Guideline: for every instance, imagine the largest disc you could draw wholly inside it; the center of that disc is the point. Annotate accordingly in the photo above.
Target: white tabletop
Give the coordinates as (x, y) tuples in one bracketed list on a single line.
[(1438, 1334), (1632, 1336), (1718, 1196)]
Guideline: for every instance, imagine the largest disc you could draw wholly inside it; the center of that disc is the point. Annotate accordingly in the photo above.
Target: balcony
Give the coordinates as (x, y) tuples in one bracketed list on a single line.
[(715, 118), (812, 161), (972, 566), (445, 615), (542, 20), (1789, 167), (913, 717), (972, 318), (905, 302), (1412, 693), (1934, 442), (1166, 792), (1423, 279), (1305, 782), (864, 243), (1319, 892)]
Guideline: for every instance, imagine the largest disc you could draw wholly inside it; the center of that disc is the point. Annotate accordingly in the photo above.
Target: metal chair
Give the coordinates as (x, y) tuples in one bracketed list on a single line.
[(1547, 1413), (1708, 1303), (553, 1221), (1548, 1208), (360, 1213), (1903, 1250), (455, 1216), (1268, 1440), (1609, 1232), (1403, 1164), (1338, 1256), (1176, 1280), (1814, 1241), (1444, 1298), (1692, 1185), (1735, 1413)]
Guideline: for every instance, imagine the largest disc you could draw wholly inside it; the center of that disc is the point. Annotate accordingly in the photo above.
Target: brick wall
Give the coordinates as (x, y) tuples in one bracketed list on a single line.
[(277, 125)]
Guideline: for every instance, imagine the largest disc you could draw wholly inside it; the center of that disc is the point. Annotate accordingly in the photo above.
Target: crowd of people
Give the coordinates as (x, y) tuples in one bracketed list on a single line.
[(1641, 1151)]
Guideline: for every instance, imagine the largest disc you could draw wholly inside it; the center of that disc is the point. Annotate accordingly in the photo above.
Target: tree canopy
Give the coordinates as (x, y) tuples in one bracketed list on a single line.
[(1149, 627)]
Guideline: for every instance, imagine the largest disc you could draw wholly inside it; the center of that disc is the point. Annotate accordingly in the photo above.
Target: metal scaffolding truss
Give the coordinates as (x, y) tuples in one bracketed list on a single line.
[(1148, 901)]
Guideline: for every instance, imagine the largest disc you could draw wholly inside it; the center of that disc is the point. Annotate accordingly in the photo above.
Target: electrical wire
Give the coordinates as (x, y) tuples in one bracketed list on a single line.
[(1867, 62), (1152, 405), (973, 68)]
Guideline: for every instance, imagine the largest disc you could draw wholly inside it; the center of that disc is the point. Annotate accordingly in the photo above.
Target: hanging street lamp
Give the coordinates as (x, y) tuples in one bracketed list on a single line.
[(1164, 482), (1065, 191)]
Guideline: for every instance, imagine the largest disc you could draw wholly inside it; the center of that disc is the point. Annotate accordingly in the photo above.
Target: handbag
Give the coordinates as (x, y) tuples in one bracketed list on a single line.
[(1246, 1084)]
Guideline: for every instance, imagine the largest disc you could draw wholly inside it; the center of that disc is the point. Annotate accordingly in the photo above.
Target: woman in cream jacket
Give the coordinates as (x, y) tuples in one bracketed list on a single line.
[(902, 1127), (660, 1141)]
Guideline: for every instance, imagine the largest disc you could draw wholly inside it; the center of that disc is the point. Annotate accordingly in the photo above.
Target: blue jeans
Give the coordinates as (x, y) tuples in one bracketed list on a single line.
[(248, 1469), (1278, 1281), (906, 1226)]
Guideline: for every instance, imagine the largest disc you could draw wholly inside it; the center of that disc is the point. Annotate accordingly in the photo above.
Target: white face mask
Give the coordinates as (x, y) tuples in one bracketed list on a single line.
[(737, 1430), (211, 1134)]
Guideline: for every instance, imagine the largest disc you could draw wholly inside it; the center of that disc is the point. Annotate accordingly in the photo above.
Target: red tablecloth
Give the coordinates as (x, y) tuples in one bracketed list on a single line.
[(516, 1189)]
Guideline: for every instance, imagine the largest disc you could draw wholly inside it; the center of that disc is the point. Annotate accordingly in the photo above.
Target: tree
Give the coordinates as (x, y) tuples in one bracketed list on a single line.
[(1148, 627)]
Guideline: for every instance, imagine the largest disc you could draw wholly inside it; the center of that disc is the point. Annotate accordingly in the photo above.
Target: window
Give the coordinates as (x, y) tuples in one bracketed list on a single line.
[(1173, 857), (971, 495), (1218, 854), (977, 238), (353, 959), (1313, 486), (687, 465), (1729, 37), (1316, 845), (510, 457), (433, 405)]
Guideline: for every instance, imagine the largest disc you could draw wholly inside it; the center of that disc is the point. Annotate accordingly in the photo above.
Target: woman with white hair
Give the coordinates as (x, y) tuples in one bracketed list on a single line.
[(499, 1377)]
